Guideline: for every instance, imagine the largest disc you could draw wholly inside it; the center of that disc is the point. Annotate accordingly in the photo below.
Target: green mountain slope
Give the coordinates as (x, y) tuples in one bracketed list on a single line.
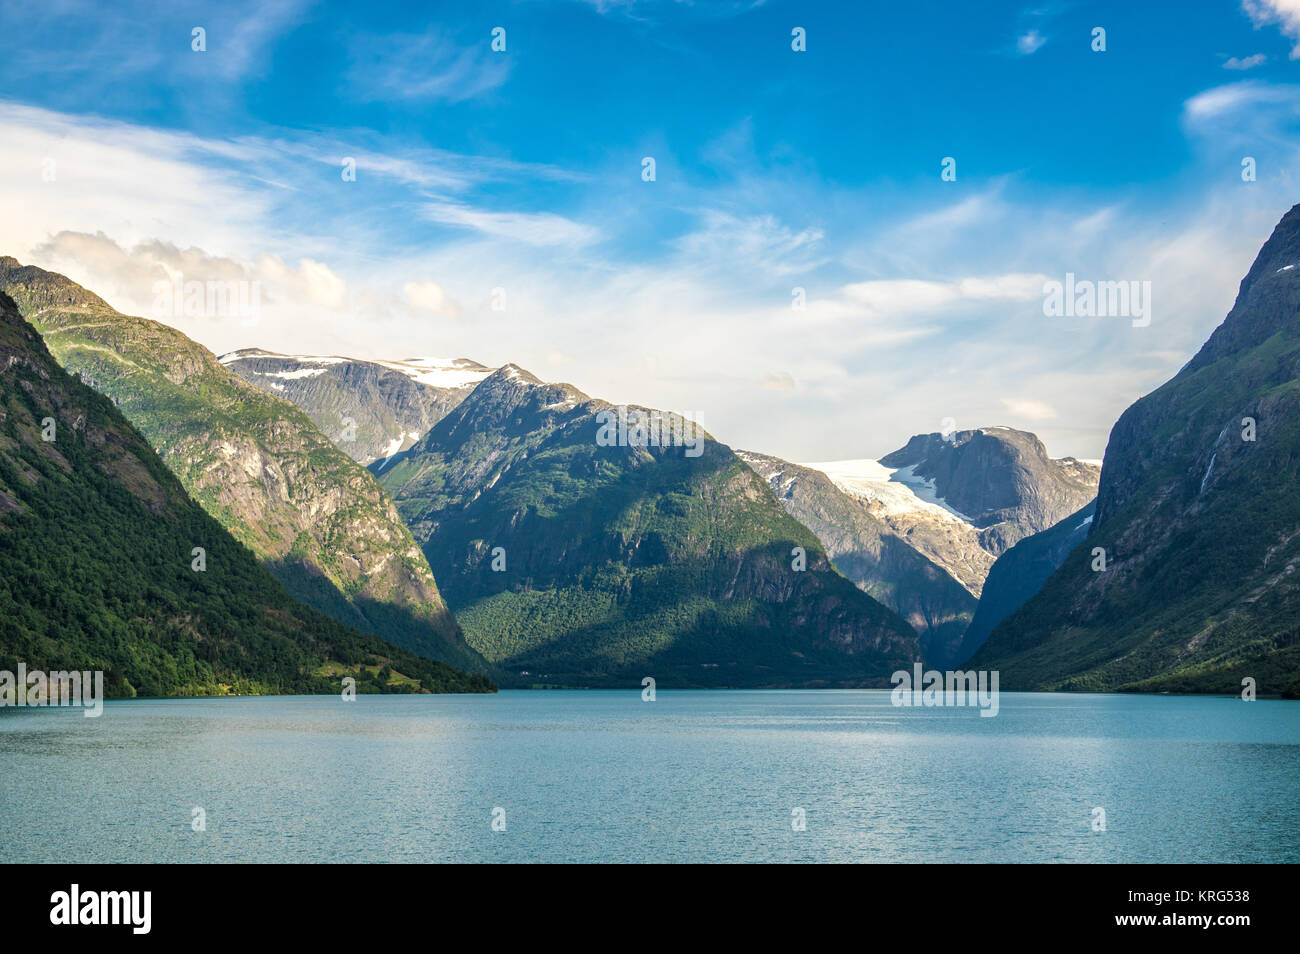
[(97, 543), (626, 561), (1200, 523), (317, 519)]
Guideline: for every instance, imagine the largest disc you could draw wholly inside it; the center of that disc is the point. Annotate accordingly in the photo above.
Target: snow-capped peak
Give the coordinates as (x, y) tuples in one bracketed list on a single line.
[(898, 489), (440, 372)]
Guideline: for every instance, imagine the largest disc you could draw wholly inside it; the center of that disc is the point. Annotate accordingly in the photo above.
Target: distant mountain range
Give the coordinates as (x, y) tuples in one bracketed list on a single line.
[(1187, 580), (370, 409), (920, 529), (999, 480), (99, 568), (316, 519), (888, 528)]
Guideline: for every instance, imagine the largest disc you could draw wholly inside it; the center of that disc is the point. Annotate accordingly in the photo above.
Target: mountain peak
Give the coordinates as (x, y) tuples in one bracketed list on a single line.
[(1281, 253), (1267, 300), (512, 372), (1002, 478), (35, 288), (526, 388)]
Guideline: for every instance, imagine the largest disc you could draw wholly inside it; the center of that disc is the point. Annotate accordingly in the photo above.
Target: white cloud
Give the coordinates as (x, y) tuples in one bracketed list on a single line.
[(1029, 43), (1285, 13), (777, 382), (759, 242), (425, 296), (902, 297), (1233, 98), (128, 278), (1029, 409), (532, 228), (1245, 62), (932, 310)]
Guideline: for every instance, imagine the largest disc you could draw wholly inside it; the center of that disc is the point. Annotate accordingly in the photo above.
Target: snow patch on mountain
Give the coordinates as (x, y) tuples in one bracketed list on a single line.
[(440, 372), (294, 375), (899, 490), (449, 373)]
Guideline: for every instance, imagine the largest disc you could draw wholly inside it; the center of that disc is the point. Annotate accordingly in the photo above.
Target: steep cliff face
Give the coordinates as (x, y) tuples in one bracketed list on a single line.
[(98, 563), (370, 409), (576, 562), (1000, 479), (1021, 572), (255, 462), (1198, 519), (882, 558)]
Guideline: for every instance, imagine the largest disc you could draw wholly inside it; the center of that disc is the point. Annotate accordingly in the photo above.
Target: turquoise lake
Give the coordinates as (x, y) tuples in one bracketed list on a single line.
[(692, 776)]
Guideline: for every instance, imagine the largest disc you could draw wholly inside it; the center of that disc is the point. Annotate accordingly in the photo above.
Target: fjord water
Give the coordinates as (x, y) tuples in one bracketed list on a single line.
[(691, 776)]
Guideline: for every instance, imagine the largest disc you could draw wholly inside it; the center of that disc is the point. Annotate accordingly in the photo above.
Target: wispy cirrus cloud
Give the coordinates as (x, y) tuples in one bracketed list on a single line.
[(531, 228), (427, 66)]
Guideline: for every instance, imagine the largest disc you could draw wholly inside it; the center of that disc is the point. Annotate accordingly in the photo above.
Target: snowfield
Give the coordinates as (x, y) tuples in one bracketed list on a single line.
[(898, 489)]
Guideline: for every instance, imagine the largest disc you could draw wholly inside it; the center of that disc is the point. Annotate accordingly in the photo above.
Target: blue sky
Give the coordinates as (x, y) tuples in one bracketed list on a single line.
[(521, 170)]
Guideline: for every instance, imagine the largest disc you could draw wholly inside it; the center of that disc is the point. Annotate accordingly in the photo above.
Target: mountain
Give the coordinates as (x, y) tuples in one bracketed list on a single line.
[(998, 479), (1199, 520), (1020, 573), (907, 505), (886, 559), (316, 518), (920, 528), (97, 561), (619, 559), (370, 409)]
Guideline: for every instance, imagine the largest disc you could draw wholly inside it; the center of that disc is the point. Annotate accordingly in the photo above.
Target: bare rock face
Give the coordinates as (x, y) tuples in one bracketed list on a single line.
[(1020, 572), (317, 519), (1001, 479)]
